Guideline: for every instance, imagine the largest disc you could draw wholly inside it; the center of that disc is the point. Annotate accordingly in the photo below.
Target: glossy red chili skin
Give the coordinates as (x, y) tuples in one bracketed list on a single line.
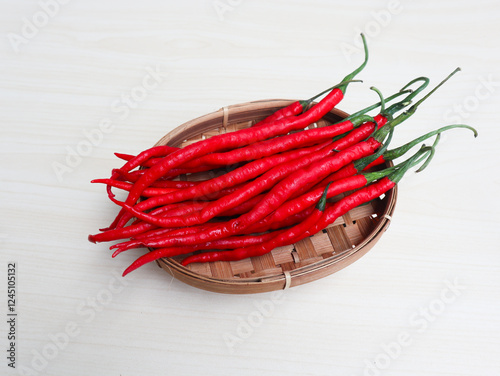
[(228, 243), (148, 192), (155, 151), (377, 162), (133, 176), (345, 172), (283, 238), (273, 146), (313, 172), (137, 174), (315, 223), (233, 140), (292, 109), (308, 199), (160, 235), (241, 223), (263, 183), (272, 168), (361, 196), (360, 133), (120, 233)]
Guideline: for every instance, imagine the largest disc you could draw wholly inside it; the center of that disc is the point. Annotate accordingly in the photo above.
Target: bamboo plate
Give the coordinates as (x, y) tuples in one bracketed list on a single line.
[(327, 252)]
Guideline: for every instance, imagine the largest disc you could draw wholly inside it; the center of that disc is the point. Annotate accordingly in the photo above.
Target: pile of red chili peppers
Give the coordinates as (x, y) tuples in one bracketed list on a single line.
[(273, 183)]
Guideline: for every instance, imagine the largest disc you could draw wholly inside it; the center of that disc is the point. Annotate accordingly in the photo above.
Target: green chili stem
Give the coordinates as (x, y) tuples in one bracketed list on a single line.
[(405, 115), (410, 162), (382, 100), (431, 155), (380, 134), (397, 175), (407, 100), (350, 76), (361, 164), (322, 201), (398, 152), (307, 102), (374, 106)]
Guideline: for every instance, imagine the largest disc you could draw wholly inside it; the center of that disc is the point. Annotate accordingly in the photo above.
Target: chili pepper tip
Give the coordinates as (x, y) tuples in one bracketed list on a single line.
[(359, 69)]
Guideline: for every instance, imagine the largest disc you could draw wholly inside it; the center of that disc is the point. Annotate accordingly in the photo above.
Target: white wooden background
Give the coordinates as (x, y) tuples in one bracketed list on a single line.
[(68, 68)]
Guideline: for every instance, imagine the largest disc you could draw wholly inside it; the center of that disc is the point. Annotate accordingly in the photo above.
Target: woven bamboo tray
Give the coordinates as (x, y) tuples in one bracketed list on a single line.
[(327, 252)]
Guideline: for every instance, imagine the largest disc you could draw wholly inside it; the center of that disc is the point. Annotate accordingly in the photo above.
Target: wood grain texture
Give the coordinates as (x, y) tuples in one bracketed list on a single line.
[(85, 72)]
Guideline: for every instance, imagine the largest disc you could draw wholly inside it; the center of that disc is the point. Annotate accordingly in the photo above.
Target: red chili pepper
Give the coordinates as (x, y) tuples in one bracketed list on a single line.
[(174, 172), (230, 228), (144, 160), (120, 233), (242, 137), (262, 148), (325, 218), (158, 221), (284, 238), (137, 174), (228, 243), (382, 119), (163, 234), (367, 193), (138, 230), (239, 224), (390, 155), (290, 213), (310, 136), (240, 175), (365, 130), (298, 204), (155, 237), (278, 145), (261, 184), (148, 163), (261, 226), (295, 206), (132, 177), (148, 192), (155, 151), (353, 168), (162, 150), (343, 185), (313, 173), (292, 109), (186, 207)]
